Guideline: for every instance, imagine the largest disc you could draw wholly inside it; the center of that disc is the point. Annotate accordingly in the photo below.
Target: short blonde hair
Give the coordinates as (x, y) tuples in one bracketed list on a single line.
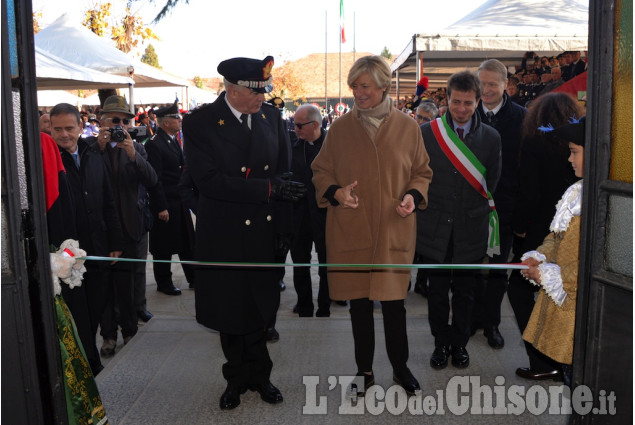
[(376, 67)]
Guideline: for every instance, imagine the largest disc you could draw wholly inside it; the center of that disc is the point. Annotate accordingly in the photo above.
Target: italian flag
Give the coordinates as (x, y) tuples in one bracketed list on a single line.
[(343, 36)]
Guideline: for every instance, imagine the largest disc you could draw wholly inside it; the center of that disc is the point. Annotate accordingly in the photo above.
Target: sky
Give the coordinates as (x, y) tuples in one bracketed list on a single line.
[(195, 37)]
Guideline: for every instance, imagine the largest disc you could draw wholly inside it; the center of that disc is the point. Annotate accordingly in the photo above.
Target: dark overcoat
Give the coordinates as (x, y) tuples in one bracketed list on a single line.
[(236, 219), (455, 209), (508, 122), (98, 226), (166, 157)]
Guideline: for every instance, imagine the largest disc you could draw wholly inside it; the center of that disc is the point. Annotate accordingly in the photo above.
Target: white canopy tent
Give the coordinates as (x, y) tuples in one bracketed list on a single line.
[(150, 96), (499, 29), (54, 73), (77, 45), (50, 98)]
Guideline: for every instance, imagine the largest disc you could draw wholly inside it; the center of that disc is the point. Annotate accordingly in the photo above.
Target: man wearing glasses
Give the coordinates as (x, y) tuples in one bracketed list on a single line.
[(309, 221), (131, 174), (173, 230), (426, 112), (239, 157)]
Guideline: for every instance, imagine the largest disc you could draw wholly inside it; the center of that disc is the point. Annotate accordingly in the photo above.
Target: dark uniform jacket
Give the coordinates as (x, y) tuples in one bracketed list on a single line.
[(166, 157), (455, 209), (508, 122), (236, 219), (98, 226)]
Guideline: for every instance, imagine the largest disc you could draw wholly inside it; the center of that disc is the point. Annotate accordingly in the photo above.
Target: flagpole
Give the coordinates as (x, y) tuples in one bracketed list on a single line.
[(326, 98), (354, 23), (340, 55)]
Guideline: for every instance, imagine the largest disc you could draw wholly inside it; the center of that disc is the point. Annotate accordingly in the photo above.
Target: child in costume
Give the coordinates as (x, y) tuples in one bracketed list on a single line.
[(554, 265)]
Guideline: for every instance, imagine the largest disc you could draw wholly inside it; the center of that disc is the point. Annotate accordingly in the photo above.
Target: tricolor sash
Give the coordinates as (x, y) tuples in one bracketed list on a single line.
[(474, 172)]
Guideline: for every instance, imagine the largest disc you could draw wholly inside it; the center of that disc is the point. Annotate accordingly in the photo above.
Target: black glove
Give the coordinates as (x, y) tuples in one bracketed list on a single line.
[(284, 189), (283, 244)]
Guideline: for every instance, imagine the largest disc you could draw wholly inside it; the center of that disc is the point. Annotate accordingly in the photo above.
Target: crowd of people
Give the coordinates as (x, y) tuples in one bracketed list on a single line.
[(455, 175)]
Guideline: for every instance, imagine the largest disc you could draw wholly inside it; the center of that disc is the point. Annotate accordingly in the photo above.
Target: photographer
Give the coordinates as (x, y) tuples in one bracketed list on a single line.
[(130, 174)]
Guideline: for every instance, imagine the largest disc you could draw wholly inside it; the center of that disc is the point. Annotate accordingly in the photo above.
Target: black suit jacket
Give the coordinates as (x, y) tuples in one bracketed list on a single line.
[(456, 212), (237, 221)]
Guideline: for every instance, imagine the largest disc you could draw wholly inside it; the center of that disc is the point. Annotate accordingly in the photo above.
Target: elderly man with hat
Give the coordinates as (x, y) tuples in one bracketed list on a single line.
[(130, 174), (173, 230), (239, 157)]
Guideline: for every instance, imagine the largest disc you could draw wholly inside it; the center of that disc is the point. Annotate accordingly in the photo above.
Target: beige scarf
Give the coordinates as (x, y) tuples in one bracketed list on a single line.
[(372, 118)]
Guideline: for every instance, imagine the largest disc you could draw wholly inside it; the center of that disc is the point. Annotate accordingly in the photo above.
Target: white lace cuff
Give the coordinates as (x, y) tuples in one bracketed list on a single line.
[(551, 280), (535, 255)]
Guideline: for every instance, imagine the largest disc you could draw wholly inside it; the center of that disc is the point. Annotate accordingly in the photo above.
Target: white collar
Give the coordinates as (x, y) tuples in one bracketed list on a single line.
[(237, 113), (569, 206), (496, 109)]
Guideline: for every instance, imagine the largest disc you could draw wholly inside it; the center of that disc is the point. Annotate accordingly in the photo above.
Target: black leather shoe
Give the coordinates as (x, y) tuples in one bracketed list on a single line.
[(407, 381), (230, 398), (268, 392), (528, 373), (460, 357), (169, 290), (369, 381), (439, 359), (323, 313), (144, 315), (494, 337), (272, 335), (282, 285)]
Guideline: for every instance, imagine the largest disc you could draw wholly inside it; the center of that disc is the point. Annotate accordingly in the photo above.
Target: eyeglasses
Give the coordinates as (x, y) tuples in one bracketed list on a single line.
[(300, 125), (117, 120), (422, 118)]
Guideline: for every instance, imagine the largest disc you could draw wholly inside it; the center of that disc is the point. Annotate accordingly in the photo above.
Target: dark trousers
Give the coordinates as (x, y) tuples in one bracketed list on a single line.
[(521, 297), (140, 274), (120, 309), (363, 323), (462, 283), (490, 288), (248, 362), (87, 303), (163, 271), (301, 253)]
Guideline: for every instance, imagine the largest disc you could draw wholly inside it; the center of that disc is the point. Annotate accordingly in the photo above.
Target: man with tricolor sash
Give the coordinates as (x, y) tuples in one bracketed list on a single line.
[(460, 224)]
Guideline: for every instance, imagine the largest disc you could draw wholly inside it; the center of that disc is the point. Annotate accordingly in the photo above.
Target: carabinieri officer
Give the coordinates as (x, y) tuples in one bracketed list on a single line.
[(238, 154)]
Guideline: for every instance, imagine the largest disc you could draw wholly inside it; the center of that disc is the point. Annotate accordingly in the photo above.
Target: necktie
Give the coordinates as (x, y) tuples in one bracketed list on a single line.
[(459, 132), (490, 116), (76, 159), (245, 122)]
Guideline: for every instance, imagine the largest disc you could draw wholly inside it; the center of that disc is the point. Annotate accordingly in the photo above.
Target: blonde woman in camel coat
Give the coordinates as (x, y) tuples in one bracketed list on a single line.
[(372, 173)]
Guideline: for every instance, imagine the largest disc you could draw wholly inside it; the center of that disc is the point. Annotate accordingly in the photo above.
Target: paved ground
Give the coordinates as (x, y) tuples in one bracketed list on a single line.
[(170, 372)]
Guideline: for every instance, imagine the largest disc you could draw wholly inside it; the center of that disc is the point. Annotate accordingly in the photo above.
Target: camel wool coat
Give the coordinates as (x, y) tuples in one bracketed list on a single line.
[(551, 327), (385, 168)]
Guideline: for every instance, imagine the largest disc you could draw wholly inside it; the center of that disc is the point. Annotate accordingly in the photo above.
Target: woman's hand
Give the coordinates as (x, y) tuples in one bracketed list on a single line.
[(531, 273), (346, 196), (407, 206)]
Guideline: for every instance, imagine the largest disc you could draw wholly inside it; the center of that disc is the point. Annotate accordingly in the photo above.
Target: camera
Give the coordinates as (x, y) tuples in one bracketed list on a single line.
[(117, 134), (140, 131)]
